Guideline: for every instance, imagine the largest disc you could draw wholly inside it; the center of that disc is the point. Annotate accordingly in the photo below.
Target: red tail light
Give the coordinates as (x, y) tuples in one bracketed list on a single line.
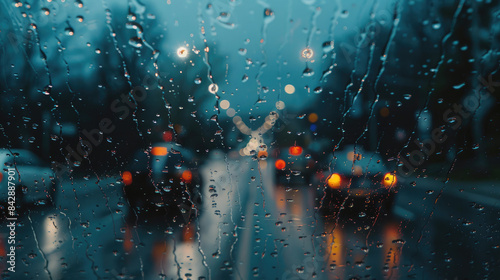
[(280, 164), (295, 150), (187, 176), (1, 177), (127, 178), (167, 136)]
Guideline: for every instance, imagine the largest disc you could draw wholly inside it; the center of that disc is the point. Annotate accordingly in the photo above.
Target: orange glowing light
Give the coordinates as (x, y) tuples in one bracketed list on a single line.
[(389, 180), (295, 150), (127, 178), (187, 176), (188, 234), (159, 151), (127, 241), (280, 164), (158, 253), (334, 181), (313, 117), (262, 155)]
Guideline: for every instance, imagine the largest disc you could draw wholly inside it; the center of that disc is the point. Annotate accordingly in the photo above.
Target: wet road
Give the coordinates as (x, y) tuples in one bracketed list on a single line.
[(250, 229)]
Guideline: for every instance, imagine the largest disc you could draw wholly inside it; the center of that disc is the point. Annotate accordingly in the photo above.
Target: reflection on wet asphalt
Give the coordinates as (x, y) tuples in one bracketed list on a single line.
[(249, 228)]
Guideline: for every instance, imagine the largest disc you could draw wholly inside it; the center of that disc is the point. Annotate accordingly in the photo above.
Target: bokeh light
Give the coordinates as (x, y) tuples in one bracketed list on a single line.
[(182, 52), (290, 89), (224, 104), (334, 181)]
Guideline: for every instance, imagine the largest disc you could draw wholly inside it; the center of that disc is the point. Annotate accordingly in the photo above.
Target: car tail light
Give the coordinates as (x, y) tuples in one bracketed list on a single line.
[(187, 176), (389, 180), (159, 151), (167, 136), (295, 150), (127, 178), (1, 177), (334, 181), (280, 164)]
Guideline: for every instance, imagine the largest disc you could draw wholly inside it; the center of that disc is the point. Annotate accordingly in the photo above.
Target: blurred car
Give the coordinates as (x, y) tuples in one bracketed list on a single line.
[(361, 177), (162, 183), (295, 166), (33, 180)]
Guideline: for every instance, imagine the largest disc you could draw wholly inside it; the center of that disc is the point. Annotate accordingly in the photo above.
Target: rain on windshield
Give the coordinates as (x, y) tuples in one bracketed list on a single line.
[(237, 139)]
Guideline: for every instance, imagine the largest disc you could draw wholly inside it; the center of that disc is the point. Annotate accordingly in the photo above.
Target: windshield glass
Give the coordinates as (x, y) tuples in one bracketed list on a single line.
[(233, 139)]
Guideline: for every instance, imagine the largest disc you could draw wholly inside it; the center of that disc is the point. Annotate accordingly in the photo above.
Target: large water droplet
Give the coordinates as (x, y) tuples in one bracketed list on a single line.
[(46, 11), (308, 72), (131, 17), (307, 53), (134, 25), (327, 46), (135, 42), (268, 15), (213, 88), (47, 89), (69, 31), (436, 25)]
